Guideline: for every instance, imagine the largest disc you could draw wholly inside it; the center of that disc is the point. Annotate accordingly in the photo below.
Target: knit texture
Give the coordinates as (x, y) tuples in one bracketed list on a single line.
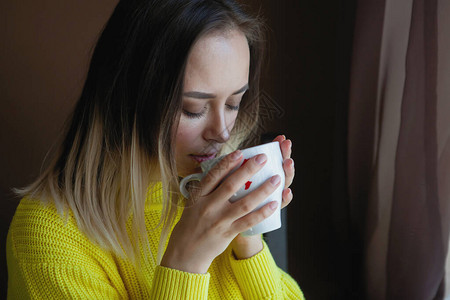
[(50, 258)]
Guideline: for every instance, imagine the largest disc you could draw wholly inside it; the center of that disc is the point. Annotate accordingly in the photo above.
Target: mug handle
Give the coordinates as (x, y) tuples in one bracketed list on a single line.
[(186, 180)]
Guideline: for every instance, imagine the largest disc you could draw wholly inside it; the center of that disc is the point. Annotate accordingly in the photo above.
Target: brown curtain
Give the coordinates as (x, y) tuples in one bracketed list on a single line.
[(398, 146)]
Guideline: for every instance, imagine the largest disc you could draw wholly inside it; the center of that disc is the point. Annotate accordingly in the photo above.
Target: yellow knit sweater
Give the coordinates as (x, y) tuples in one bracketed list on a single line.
[(50, 258)]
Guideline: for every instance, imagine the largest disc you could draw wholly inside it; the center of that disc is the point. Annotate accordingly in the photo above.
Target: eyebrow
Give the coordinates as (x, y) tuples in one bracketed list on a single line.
[(201, 95)]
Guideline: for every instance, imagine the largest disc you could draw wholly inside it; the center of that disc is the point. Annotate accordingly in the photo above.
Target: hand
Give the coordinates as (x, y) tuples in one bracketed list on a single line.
[(246, 247), (209, 224)]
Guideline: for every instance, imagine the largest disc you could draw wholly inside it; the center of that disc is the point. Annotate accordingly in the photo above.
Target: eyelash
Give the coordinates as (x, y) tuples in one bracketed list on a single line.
[(199, 115)]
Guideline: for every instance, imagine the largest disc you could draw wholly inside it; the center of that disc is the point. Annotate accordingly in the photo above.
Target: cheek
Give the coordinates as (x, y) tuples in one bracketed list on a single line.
[(234, 120), (186, 136), (231, 121)]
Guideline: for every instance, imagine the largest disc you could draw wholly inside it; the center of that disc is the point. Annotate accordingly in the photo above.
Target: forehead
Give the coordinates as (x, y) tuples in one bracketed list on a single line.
[(218, 60)]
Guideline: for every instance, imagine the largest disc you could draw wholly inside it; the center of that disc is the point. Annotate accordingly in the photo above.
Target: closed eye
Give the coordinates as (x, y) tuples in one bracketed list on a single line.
[(192, 115), (233, 107), (199, 115)]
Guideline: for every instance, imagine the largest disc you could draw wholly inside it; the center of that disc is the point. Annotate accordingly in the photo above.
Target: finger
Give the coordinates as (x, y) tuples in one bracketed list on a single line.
[(287, 197), (219, 172), (289, 171), (236, 180), (286, 149), (251, 201), (279, 139), (254, 218)]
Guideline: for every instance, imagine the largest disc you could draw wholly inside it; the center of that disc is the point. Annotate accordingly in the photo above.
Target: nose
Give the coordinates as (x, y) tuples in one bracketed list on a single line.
[(217, 129)]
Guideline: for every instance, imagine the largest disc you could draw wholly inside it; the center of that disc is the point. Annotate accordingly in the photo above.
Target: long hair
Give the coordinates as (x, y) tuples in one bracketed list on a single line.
[(121, 132)]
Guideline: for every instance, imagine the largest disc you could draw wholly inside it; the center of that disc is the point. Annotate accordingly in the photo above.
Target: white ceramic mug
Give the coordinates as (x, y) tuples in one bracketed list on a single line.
[(273, 166)]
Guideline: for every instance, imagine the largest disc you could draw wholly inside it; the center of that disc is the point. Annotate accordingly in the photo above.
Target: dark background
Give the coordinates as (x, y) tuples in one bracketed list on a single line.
[(44, 55)]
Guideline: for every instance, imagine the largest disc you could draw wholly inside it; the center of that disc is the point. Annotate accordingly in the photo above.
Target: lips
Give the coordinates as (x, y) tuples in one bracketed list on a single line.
[(202, 157)]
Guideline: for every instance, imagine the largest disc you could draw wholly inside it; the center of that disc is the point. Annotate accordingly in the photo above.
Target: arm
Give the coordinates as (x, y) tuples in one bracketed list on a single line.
[(209, 224), (260, 278), (173, 284)]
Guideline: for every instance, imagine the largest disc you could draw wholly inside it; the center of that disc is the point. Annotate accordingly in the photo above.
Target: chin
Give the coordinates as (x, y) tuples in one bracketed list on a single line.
[(187, 170)]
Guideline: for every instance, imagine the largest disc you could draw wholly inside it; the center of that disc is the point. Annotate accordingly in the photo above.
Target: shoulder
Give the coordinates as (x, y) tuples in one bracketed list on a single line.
[(40, 234)]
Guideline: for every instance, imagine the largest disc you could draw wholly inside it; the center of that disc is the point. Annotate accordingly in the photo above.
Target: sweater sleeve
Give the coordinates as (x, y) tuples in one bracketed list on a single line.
[(174, 284), (260, 278)]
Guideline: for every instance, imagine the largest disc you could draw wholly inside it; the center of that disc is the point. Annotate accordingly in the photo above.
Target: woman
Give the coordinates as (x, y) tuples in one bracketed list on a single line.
[(171, 83)]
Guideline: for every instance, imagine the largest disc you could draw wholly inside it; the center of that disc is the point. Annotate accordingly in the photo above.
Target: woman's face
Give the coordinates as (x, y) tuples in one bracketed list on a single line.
[(216, 78)]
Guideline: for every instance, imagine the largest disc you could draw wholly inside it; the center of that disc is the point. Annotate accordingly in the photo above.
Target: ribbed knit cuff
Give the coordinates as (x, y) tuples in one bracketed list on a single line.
[(175, 284), (257, 276)]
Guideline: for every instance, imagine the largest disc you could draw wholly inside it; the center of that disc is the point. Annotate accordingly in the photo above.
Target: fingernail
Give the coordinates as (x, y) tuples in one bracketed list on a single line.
[(273, 205), (275, 179), (261, 158), (236, 154), (292, 165)]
